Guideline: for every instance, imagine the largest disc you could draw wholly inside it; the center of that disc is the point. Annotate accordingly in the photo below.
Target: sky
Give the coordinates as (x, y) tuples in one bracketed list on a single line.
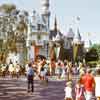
[(66, 12)]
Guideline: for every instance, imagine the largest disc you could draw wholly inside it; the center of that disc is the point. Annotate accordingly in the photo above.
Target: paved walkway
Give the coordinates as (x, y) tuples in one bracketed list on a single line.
[(13, 89)]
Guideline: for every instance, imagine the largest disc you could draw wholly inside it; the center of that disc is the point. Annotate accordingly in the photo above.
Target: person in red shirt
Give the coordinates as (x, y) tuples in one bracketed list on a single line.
[(89, 84)]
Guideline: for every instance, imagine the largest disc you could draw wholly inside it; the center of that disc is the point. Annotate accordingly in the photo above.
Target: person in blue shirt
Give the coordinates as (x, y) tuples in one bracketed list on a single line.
[(30, 78)]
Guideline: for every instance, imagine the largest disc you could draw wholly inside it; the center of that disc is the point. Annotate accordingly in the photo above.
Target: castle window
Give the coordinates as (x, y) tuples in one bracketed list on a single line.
[(38, 27)]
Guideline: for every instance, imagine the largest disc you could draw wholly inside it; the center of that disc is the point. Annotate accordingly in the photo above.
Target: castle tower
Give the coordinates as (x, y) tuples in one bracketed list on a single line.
[(55, 24), (78, 47), (45, 12), (77, 38)]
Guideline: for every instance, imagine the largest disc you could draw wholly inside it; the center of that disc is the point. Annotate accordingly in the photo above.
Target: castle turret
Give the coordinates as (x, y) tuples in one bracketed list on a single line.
[(77, 38), (70, 34), (78, 47), (45, 12), (55, 24)]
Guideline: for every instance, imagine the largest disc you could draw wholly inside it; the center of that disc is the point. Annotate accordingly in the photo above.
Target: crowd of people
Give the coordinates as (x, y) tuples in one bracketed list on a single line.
[(12, 69), (85, 87)]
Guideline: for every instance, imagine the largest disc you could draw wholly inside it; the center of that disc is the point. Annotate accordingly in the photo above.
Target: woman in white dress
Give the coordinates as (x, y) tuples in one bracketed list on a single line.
[(97, 88)]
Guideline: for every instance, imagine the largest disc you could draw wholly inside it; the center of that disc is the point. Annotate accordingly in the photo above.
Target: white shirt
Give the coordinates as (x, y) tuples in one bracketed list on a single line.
[(26, 67), (68, 92), (97, 88), (17, 68), (11, 68)]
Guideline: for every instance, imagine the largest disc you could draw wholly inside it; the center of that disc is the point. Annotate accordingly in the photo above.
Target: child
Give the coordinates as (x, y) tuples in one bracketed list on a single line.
[(59, 70), (68, 91), (42, 74), (79, 91)]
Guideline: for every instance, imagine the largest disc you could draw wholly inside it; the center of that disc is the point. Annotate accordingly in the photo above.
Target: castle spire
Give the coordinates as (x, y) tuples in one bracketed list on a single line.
[(77, 38), (78, 35), (55, 24), (45, 4)]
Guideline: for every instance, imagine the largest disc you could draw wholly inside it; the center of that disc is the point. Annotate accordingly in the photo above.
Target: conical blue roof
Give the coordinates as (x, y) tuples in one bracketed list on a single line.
[(77, 38)]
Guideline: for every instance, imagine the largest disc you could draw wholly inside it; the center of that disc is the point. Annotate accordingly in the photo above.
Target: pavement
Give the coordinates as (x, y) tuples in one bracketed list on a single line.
[(16, 89)]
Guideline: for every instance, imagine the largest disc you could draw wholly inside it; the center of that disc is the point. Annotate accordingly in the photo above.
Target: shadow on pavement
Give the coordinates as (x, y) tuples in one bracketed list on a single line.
[(17, 90)]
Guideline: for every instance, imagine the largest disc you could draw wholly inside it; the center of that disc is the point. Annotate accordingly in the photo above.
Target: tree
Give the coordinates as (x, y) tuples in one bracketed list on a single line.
[(97, 47), (21, 27), (91, 55), (11, 25), (7, 22), (7, 8)]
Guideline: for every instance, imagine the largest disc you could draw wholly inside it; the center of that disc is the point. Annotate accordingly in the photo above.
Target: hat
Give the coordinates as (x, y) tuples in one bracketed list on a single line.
[(69, 83)]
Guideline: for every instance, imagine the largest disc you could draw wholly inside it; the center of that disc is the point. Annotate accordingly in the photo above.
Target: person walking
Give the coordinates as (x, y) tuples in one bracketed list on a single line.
[(89, 84), (68, 91), (11, 69), (17, 68), (30, 78), (59, 70), (52, 67)]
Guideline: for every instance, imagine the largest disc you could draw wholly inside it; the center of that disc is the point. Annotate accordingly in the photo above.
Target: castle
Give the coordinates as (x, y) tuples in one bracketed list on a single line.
[(30, 36)]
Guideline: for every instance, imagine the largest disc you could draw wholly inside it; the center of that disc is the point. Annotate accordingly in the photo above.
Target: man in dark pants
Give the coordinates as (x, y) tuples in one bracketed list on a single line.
[(30, 78)]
